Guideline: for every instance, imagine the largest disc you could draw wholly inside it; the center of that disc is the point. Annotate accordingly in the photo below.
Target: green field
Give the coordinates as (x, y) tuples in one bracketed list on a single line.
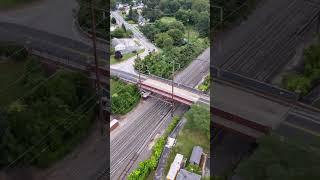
[(4, 4), (10, 71)]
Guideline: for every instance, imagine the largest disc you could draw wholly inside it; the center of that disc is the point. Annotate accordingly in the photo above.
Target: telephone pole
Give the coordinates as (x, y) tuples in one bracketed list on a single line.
[(98, 82), (172, 108)]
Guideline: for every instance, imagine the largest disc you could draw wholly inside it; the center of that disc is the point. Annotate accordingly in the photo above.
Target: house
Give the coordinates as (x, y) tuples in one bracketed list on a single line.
[(175, 167), (125, 45), (186, 175), (196, 155)]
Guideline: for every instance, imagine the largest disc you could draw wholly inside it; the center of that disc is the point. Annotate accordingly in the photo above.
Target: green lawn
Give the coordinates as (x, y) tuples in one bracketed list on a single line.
[(186, 140), (4, 4), (124, 58), (10, 71), (167, 19)]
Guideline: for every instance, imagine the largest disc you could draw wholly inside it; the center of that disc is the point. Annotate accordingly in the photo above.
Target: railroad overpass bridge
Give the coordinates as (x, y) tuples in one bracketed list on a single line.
[(240, 108)]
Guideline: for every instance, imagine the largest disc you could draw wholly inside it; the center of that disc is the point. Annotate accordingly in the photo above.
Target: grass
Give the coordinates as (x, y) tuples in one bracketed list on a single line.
[(124, 58), (10, 71), (186, 140), (168, 19), (4, 4)]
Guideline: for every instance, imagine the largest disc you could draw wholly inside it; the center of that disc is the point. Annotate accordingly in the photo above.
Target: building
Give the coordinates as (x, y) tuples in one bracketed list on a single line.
[(125, 45), (175, 167), (196, 155), (186, 175)]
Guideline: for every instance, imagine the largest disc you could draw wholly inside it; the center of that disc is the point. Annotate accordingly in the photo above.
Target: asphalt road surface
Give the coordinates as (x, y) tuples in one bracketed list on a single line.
[(263, 44)]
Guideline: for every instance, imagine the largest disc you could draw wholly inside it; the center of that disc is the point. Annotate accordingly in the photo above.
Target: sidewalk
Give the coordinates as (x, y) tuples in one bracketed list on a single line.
[(159, 174)]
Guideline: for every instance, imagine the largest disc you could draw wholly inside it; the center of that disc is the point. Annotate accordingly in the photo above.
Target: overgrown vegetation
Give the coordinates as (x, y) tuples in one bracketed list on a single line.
[(194, 168), (165, 33), (196, 132), (145, 167), (281, 159), (173, 21), (303, 81), (101, 14), (121, 32), (161, 64), (124, 97), (205, 86), (46, 116), (191, 12)]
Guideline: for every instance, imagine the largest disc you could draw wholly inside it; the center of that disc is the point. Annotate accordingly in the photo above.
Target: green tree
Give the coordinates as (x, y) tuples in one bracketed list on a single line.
[(176, 35), (199, 119), (163, 40), (203, 24)]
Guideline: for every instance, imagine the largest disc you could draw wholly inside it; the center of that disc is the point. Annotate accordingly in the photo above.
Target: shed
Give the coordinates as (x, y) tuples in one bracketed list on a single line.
[(196, 155), (186, 175), (175, 167)]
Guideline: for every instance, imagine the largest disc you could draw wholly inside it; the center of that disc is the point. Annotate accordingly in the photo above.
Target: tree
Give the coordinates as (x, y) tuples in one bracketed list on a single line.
[(183, 16), (199, 118), (176, 35), (203, 24), (163, 40), (200, 5), (150, 31)]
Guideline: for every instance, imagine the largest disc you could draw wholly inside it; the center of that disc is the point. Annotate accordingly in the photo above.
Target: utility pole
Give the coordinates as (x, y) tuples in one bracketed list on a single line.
[(139, 82), (98, 84), (172, 106)]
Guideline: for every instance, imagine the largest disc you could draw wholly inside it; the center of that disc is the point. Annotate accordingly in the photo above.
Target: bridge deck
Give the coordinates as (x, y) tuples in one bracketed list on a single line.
[(166, 88), (249, 106)]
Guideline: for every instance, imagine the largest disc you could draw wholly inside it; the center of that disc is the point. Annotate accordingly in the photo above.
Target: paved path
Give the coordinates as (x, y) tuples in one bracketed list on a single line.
[(159, 174)]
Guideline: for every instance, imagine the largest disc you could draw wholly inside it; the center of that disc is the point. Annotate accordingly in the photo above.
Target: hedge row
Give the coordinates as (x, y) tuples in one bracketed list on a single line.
[(145, 167)]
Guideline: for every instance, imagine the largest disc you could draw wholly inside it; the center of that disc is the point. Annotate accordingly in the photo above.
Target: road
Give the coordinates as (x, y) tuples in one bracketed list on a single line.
[(136, 33), (261, 46), (127, 66)]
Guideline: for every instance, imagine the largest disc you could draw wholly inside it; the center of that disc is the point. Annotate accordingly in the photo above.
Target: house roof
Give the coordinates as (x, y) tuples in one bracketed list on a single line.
[(196, 154), (175, 166), (186, 175)]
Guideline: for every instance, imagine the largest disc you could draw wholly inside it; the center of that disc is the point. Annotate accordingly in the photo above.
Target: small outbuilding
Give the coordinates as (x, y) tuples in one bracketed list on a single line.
[(175, 167), (196, 155), (186, 175)]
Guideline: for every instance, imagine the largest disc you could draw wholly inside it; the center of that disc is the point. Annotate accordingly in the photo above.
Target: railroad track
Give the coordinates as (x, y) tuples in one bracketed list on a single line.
[(126, 145), (268, 42)]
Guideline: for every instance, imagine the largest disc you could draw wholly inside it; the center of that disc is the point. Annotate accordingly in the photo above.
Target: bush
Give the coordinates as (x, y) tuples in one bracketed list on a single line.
[(194, 168), (124, 97), (302, 82)]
